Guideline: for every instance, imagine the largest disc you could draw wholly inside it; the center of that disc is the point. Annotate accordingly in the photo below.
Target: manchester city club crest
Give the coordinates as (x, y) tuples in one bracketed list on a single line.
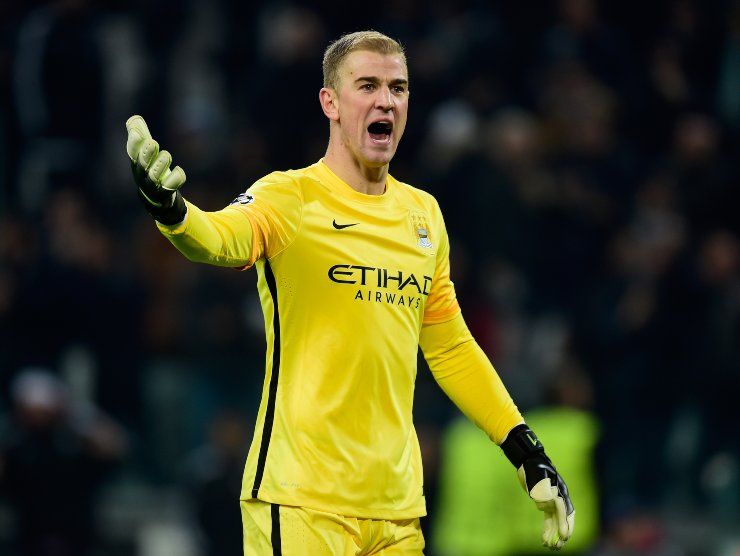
[(421, 229), (424, 238)]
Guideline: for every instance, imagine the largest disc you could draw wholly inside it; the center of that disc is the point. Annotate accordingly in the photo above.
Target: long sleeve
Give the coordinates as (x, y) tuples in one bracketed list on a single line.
[(222, 238), (466, 375), (258, 224)]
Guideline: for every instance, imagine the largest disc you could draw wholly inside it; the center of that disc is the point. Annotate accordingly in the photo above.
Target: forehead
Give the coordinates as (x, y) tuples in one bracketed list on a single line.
[(365, 63)]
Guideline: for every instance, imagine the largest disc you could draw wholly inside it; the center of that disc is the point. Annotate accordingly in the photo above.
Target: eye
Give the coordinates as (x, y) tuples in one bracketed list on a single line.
[(399, 89), (367, 87)]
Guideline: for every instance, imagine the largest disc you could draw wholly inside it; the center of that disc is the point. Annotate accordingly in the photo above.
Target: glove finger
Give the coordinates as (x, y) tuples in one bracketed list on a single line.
[(133, 144), (137, 133), (159, 166), (173, 179), (543, 494), (148, 152), (137, 122), (550, 536), (562, 519)]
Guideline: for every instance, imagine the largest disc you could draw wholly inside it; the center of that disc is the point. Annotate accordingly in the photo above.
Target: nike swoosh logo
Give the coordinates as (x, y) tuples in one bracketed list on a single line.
[(342, 226)]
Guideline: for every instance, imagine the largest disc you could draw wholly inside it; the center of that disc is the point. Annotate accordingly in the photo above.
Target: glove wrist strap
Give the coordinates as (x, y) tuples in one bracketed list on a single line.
[(168, 215), (520, 444)]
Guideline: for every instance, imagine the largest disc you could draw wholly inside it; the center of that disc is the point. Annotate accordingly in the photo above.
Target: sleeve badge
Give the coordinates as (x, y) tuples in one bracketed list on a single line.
[(242, 199)]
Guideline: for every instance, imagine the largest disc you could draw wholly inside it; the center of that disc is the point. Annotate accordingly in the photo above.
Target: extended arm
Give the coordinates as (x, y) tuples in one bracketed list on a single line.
[(467, 376), (223, 238)]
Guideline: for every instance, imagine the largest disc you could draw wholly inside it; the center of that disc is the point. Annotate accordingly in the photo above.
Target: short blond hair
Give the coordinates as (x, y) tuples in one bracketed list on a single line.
[(338, 50)]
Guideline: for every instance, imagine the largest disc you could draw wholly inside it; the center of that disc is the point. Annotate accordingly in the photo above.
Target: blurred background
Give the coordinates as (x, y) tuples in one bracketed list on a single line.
[(586, 155)]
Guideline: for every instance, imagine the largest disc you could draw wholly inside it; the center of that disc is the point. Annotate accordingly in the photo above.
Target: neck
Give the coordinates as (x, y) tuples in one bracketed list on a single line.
[(361, 178)]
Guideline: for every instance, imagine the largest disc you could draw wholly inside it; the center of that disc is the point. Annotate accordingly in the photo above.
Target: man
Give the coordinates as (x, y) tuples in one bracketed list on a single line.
[(353, 276), (57, 449)]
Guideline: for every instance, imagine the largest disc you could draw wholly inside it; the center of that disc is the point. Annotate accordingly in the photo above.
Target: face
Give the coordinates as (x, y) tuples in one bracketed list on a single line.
[(370, 106)]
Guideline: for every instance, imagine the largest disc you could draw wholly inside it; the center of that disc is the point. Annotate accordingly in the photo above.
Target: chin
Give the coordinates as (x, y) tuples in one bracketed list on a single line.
[(375, 163), (379, 159)]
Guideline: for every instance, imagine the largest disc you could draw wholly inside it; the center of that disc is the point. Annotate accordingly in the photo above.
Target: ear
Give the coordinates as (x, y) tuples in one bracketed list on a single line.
[(328, 99)]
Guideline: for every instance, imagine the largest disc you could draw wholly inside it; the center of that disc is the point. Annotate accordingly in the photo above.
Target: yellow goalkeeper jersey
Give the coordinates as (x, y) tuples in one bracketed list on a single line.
[(346, 282)]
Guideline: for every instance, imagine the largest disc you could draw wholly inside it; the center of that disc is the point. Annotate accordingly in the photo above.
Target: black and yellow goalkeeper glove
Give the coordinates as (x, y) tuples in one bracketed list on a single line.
[(542, 482), (158, 185)]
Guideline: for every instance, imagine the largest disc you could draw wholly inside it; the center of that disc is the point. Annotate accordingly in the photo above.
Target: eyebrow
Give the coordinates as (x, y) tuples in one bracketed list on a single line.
[(375, 80)]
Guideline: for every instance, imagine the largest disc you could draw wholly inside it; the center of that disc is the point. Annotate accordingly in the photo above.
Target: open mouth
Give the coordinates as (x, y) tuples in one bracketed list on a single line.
[(380, 131)]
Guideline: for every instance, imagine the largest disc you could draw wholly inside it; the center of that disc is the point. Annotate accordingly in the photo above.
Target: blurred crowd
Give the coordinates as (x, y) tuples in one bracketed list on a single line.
[(586, 155)]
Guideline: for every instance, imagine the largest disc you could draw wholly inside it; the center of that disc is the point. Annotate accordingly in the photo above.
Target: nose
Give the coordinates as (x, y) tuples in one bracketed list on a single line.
[(385, 100)]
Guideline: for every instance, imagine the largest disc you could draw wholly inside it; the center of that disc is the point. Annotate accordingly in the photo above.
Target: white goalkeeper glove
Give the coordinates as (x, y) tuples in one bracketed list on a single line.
[(158, 185), (545, 486)]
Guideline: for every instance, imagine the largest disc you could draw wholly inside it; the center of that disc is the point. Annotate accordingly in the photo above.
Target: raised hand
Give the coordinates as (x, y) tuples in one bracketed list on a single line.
[(158, 185)]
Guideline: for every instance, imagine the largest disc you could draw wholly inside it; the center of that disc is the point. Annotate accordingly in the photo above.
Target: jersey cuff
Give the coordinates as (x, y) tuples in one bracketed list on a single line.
[(175, 229)]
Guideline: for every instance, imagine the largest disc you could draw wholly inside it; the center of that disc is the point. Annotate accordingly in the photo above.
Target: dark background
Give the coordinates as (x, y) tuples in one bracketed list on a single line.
[(586, 157)]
